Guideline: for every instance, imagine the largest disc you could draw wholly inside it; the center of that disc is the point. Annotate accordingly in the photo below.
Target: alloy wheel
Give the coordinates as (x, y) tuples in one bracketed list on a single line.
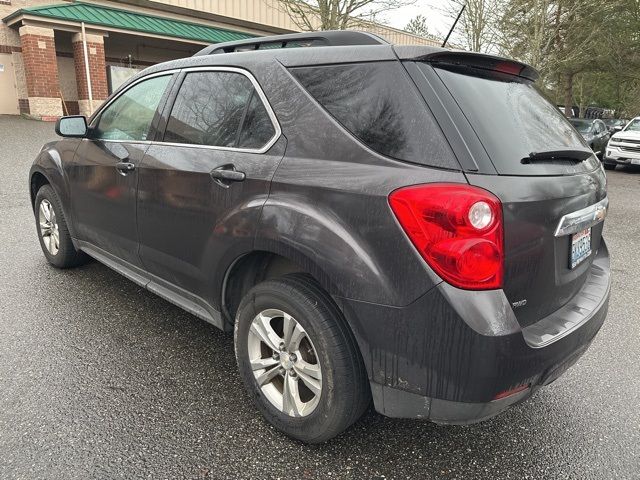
[(49, 227), (284, 363)]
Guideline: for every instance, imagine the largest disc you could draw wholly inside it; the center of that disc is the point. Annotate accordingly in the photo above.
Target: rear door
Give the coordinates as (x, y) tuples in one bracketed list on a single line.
[(507, 130), (203, 184), (103, 177)]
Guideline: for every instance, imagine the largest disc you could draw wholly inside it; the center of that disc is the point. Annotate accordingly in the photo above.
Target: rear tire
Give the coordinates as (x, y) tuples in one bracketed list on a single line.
[(337, 393), (53, 232)]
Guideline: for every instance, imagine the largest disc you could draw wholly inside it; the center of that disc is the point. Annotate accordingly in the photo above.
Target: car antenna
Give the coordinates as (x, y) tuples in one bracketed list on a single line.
[(454, 24)]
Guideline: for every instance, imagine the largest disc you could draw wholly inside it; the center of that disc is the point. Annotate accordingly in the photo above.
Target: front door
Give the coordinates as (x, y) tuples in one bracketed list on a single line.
[(202, 188), (103, 177)]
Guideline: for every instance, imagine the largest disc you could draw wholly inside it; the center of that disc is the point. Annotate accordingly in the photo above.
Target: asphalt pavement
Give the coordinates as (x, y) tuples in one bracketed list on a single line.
[(102, 379)]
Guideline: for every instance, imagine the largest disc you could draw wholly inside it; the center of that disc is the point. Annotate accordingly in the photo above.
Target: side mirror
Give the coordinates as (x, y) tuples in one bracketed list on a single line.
[(74, 126), (617, 128)]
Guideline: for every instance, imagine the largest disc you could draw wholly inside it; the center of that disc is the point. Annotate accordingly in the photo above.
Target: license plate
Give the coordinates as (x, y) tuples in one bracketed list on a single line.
[(635, 161), (580, 247)]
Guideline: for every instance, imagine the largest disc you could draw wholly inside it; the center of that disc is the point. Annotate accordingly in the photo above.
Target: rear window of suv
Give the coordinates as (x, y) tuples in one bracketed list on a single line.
[(510, 116), (379, 105)]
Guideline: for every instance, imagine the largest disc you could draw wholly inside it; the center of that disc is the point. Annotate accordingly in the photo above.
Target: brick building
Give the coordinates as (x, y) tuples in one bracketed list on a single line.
[(43, 48)]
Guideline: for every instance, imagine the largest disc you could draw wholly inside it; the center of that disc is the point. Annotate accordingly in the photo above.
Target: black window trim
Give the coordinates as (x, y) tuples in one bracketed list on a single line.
[(95, 118), (244, 116), (257, 88)]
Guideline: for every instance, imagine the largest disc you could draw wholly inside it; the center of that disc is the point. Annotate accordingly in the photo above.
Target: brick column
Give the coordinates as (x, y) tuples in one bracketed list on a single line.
[(41, 71), (97, 72)]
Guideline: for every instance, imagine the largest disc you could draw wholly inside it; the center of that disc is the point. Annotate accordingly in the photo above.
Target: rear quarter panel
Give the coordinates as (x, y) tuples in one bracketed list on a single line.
[(328, 207)]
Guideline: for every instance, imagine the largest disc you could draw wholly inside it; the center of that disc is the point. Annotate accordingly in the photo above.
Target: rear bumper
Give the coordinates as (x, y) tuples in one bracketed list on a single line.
[(447, 359), (396, 403)]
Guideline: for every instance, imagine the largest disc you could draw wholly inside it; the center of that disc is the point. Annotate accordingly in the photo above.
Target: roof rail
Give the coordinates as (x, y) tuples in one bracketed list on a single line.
[(327, 38)]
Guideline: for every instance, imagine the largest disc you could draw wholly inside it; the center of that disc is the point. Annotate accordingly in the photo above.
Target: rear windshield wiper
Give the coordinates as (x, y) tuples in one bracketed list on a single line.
[(575, 156)]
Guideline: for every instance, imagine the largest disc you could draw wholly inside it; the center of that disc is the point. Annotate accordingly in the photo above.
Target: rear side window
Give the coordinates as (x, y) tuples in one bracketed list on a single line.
[(220, 109), (378, 104), (511, 118)]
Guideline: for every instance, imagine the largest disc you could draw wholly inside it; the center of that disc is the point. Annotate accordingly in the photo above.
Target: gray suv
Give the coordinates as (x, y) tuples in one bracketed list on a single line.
[(351, 211), (595, 133)]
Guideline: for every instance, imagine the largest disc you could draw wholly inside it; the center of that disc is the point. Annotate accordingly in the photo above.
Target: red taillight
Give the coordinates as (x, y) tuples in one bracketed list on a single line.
[(513, 391), (457, 229)]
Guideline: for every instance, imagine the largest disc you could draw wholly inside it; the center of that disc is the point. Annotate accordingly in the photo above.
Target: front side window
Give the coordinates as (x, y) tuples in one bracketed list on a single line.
[(130, 115), (220, 109)]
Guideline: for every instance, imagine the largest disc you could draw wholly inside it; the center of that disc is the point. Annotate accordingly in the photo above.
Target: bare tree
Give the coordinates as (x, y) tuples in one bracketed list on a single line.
[(477, 28), (418, 26), (310, 15), (565, 38)]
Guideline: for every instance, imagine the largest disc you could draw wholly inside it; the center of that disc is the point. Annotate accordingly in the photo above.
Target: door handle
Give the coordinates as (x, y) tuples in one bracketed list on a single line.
[(227, 173), (125, 167)]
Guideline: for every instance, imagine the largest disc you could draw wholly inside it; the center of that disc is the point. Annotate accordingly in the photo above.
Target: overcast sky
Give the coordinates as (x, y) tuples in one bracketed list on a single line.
[(438, 24)]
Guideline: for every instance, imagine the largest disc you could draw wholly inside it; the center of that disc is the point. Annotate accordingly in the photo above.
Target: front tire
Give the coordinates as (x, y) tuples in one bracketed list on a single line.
[(609, 166), (298, 359), (53, 232)]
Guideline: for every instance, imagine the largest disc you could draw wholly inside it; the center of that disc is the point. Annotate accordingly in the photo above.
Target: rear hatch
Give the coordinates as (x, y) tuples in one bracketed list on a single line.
[(522, 149)]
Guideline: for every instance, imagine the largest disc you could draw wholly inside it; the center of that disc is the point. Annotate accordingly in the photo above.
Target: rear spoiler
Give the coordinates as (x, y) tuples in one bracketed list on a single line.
[(460, 58)]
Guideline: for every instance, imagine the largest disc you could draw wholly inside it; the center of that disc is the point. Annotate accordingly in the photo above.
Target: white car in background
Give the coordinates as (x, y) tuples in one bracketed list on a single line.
[(624, 146)]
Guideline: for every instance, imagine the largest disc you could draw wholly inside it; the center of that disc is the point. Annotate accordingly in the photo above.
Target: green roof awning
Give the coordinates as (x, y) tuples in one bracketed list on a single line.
[(99, 15)]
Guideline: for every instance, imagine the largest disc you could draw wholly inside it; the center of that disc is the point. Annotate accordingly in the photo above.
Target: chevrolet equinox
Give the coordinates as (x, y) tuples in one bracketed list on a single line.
[(408, 225)]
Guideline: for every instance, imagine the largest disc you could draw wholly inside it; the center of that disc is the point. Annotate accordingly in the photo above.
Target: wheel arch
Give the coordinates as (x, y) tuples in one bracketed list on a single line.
[(47, 169), (36, 181), (259, 265)]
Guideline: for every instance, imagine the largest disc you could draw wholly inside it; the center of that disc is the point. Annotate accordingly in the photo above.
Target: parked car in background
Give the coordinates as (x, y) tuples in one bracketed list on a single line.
[(595, 133), (350, 214), (615, 124), (624, 146), (596, 112), (574, 112)]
